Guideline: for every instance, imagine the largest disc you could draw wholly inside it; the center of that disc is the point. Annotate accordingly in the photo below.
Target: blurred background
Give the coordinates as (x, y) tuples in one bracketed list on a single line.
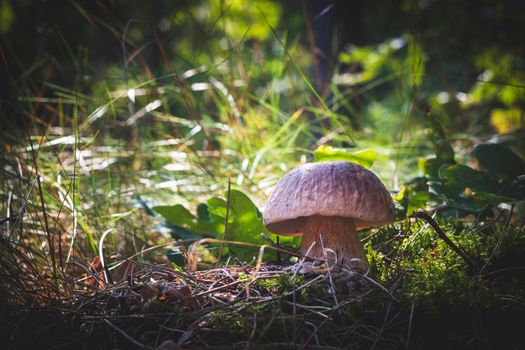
[(124, 105)]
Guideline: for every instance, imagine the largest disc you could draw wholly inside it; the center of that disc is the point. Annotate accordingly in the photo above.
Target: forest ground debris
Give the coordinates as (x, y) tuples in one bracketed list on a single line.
[(221, 306)]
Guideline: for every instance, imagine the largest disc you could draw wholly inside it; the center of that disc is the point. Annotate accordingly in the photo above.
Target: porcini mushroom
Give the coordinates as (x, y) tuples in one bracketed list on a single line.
[(331, 200)]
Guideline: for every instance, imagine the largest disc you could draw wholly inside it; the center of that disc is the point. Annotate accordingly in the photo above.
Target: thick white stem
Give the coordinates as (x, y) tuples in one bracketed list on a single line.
[(338, 234)]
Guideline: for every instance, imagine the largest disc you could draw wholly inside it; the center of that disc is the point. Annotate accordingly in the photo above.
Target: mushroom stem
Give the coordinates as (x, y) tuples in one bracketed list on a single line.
[(338, 234)]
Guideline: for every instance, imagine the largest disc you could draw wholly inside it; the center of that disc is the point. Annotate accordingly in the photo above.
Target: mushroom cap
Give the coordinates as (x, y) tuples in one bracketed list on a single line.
[(336, 188)]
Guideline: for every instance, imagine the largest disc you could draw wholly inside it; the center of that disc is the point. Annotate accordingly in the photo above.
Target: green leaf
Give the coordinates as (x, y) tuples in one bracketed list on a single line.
[(247, 224), (456, 178), (202, 212), (439, 192), (409, 199), (365, 158), (484, 198), (499, 159), (464, 204), (430, 165), (179, 216), (483, 188), (416, 201), (217, 208)]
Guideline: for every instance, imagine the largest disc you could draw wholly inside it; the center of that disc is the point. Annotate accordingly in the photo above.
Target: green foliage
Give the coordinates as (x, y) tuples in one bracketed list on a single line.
[(365, 158), (507, 120), (181, 217), (372, 59), (411, 197), (499, 66), (245, 222), (241, 20), (456, 178), (461, 187), (499, 160), (472, 190)]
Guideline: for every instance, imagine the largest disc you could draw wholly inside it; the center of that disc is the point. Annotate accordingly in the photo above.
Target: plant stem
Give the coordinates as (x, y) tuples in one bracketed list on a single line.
[(422, 214)]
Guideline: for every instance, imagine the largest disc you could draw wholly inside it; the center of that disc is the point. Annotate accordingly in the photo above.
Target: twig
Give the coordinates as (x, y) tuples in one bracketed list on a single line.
[(422, 214), (91, 272), (218, 288), (388, 292), (332, 311), (308, 308), (507, 269)]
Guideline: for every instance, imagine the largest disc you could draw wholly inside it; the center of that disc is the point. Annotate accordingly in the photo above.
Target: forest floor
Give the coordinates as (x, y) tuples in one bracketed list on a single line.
[(430, 304)]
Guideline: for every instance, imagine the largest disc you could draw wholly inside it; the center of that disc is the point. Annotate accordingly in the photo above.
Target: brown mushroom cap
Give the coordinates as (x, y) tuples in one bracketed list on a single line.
[(336, 188)]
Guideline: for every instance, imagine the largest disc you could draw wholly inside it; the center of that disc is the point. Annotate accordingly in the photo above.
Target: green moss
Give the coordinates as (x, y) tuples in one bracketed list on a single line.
[(436, 279)]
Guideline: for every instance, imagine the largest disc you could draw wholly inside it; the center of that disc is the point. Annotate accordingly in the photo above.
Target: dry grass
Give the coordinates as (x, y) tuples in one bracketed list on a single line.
[(229, 305)]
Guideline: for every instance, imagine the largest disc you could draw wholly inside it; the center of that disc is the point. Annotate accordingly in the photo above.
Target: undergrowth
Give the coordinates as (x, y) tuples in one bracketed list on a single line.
[(418, 294)]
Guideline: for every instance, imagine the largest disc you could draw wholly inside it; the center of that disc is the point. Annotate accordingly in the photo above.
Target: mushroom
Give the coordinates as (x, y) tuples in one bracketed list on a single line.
[(329, 201)]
